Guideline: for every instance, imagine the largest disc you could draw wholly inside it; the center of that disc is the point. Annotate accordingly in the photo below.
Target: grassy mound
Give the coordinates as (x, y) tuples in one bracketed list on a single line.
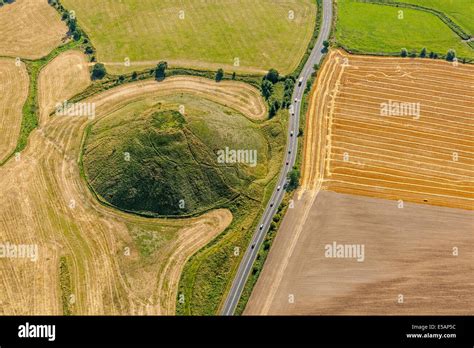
[(149, 158)]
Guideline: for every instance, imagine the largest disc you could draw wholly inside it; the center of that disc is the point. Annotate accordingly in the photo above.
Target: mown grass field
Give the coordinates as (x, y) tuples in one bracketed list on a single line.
[(461, 11), (376, 28), (198, 34)]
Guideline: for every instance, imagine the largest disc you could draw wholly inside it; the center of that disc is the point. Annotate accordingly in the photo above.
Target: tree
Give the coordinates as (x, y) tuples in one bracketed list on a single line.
[(272, 76), (413, 54), (233, 75), (267, 88), (431, 54), (450, 55), (404, 52), (160, 71), (89, 50), (293, 179), (274, 107), (98, 71), (219, 75), (423, 52), (134, 75), (326, 45)]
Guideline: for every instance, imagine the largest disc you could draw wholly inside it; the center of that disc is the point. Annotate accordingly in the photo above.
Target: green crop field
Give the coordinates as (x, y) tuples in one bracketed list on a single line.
[(198, 34), (461, 11), (148, 158), (376, 28)]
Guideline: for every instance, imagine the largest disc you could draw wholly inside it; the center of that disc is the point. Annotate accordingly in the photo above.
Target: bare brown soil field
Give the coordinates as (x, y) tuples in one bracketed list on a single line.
[(30, 29), (65, 76), (372, 162), (13, 92), (407, 252), (45, 201), (351, 147)]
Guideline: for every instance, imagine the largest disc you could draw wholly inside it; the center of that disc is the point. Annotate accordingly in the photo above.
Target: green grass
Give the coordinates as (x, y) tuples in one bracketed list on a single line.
[(65, 285), (373, 28), (29, 119), (209, 273), (461, 11), (173, 169), (211, 34)]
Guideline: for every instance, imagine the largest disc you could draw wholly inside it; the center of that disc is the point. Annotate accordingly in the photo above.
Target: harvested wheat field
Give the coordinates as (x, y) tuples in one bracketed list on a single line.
[(407, 252), (65, 76), (394, 128), (13, 92), (30, 29), (235, 95), (397, 192), (46, 202)]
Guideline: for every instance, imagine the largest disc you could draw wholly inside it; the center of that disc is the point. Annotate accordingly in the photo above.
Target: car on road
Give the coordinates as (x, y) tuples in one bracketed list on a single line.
[(278, 188), (261, 226), (291, 133), (300, 81)]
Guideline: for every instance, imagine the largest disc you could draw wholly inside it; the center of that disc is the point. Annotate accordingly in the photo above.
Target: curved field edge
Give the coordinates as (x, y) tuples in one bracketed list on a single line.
[(83, 241), (63, 77), (14, 83), (237, 96), (30, 110), (460, 12), (414, 29)]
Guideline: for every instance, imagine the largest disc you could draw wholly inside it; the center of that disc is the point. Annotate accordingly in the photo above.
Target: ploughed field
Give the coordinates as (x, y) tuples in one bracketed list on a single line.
[(393, 128)]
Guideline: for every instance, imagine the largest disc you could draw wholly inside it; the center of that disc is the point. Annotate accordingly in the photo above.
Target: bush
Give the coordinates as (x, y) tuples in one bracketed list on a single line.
[(272, 76), (160, 71), (219, 75), (404, 52), (98, 72), (450, 55), (267, 88), (293, 179)]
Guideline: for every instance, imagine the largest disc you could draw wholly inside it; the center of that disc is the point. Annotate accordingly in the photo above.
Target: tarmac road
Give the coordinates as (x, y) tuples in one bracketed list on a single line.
[(250, 255)]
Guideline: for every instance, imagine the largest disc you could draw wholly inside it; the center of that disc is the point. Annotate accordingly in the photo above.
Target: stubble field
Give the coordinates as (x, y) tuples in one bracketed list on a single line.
[(30, 29), (389, 183), (45, 201)]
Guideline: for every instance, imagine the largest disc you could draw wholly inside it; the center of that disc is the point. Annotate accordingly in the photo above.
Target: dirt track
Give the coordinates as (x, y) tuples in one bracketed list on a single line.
[(46, 202), (13, 92), (30, 29)]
